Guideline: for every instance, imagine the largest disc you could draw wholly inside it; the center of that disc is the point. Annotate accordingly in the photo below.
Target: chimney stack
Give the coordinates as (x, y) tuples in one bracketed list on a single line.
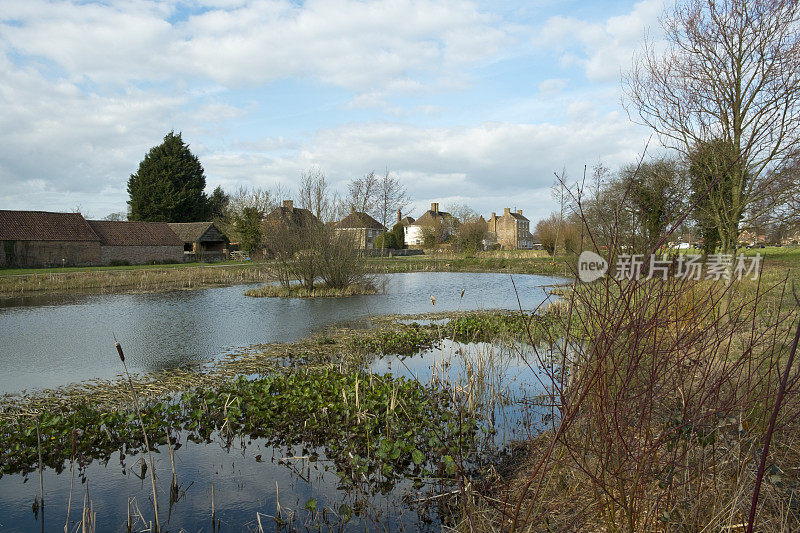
[(435, 207), (506, 211), (399, 218), (352, 209), (519, 211), (288, 204)]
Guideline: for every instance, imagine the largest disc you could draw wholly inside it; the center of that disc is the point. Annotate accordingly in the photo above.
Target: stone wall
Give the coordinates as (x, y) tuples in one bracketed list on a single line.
[(48, 253), (139, 255)]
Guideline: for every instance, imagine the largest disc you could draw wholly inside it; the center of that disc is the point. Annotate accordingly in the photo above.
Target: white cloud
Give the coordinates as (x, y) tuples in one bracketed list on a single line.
[(602, 49), (553, 86), (385, 44)]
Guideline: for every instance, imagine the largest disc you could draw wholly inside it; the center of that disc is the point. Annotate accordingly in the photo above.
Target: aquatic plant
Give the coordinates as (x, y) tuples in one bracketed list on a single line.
[(375, 429)]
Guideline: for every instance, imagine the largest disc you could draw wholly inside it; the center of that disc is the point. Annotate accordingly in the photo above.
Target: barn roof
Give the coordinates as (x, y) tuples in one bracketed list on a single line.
[(195, 231), (130, 233), (44, 226), (357, 219)]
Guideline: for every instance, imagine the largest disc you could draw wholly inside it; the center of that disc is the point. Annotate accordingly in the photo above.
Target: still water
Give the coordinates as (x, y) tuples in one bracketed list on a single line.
[(50, 342), (55, 341)]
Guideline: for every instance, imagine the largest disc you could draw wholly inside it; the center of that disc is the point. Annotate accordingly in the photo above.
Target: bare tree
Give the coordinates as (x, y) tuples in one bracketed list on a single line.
[(391, 196), (314, 195), (731, 72), (362, 193)]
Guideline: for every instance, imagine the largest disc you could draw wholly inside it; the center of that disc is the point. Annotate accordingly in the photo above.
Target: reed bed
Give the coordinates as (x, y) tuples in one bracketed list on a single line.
[(134, 280)]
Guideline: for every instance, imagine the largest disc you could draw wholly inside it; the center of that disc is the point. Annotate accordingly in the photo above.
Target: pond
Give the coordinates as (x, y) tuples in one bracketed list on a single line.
[(53, 341), (255, 472), (246, 476)]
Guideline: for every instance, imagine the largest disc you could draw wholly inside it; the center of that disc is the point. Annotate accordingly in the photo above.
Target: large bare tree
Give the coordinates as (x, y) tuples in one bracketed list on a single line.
[(730, 73), (362, 192), (391, 197)]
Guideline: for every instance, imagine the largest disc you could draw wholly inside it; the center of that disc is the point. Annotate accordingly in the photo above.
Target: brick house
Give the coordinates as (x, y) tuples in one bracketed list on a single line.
[(511, 230), (42, 239), (135, 242), (442, 220), (363, 227), (201, 240)]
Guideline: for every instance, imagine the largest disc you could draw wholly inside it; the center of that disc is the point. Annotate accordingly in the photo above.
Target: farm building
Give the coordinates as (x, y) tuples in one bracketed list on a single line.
[(40, 239), (137, 242), (201, 240)]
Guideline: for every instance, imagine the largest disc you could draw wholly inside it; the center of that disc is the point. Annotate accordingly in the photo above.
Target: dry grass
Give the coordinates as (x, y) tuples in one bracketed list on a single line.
[(297, 291), (134, 280)]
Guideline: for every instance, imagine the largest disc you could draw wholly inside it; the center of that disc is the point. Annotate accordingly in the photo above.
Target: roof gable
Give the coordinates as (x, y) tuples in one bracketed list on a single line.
[(357, 219), (197, 231), (44, 226), (432, 216)]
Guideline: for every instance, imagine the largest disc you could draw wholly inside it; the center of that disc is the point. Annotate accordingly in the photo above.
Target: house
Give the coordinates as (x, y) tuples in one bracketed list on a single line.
[(201, 240), (286, 228), (751, 238), (41, 238), (511, 230), (404, 220), (443, 222), (362, 227), (123, 242), (291, 216)]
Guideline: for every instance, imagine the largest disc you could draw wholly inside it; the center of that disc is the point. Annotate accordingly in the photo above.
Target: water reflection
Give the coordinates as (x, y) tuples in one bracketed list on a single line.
[(49, 342)]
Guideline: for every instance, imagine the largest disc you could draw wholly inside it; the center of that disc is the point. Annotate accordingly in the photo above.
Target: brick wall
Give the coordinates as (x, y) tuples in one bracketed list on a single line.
[(48, 253), (140, 254)]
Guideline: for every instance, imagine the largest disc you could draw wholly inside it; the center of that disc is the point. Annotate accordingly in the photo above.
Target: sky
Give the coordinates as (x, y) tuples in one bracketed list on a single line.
[(470, 103)]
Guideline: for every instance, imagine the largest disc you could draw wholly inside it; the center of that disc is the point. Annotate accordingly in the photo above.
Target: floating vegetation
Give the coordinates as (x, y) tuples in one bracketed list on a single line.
[(400, 339), (486, 327), (376, 429), (321, 291)]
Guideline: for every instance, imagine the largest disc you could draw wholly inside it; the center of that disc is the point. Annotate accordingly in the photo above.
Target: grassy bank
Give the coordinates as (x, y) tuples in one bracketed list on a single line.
[(155, 278), (142, 278)]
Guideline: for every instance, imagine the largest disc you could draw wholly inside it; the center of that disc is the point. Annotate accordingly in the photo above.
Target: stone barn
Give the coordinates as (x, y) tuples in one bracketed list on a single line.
[(201, 240), (45, 239), (137, 242)]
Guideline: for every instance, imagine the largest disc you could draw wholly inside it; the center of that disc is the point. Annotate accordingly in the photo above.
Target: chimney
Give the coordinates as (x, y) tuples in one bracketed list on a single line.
[(435, 207), (288, 204), (352, 209), (399, 218), (506, 211), (519, 211)]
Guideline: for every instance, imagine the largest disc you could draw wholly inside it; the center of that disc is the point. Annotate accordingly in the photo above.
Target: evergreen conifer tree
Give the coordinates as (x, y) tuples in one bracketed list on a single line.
[(169, 185)]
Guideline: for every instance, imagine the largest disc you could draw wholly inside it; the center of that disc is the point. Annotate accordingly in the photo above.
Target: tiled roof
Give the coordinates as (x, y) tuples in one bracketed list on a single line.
[(431, 216), (297, 216), (194, 231), (519, 216), (44, 226), (357, 219), (129, 233)]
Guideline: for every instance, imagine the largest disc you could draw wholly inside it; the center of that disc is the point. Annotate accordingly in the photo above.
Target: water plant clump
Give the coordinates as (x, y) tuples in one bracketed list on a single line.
[(487, 327), (376, 429), (319, 291), (397, 339)]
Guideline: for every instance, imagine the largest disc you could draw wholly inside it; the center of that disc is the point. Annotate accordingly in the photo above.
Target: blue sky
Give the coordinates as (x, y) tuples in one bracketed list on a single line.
[(474, 103)]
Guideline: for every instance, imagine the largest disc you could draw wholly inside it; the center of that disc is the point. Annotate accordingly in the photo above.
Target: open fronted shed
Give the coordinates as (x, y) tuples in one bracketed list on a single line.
[(201, 240)]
